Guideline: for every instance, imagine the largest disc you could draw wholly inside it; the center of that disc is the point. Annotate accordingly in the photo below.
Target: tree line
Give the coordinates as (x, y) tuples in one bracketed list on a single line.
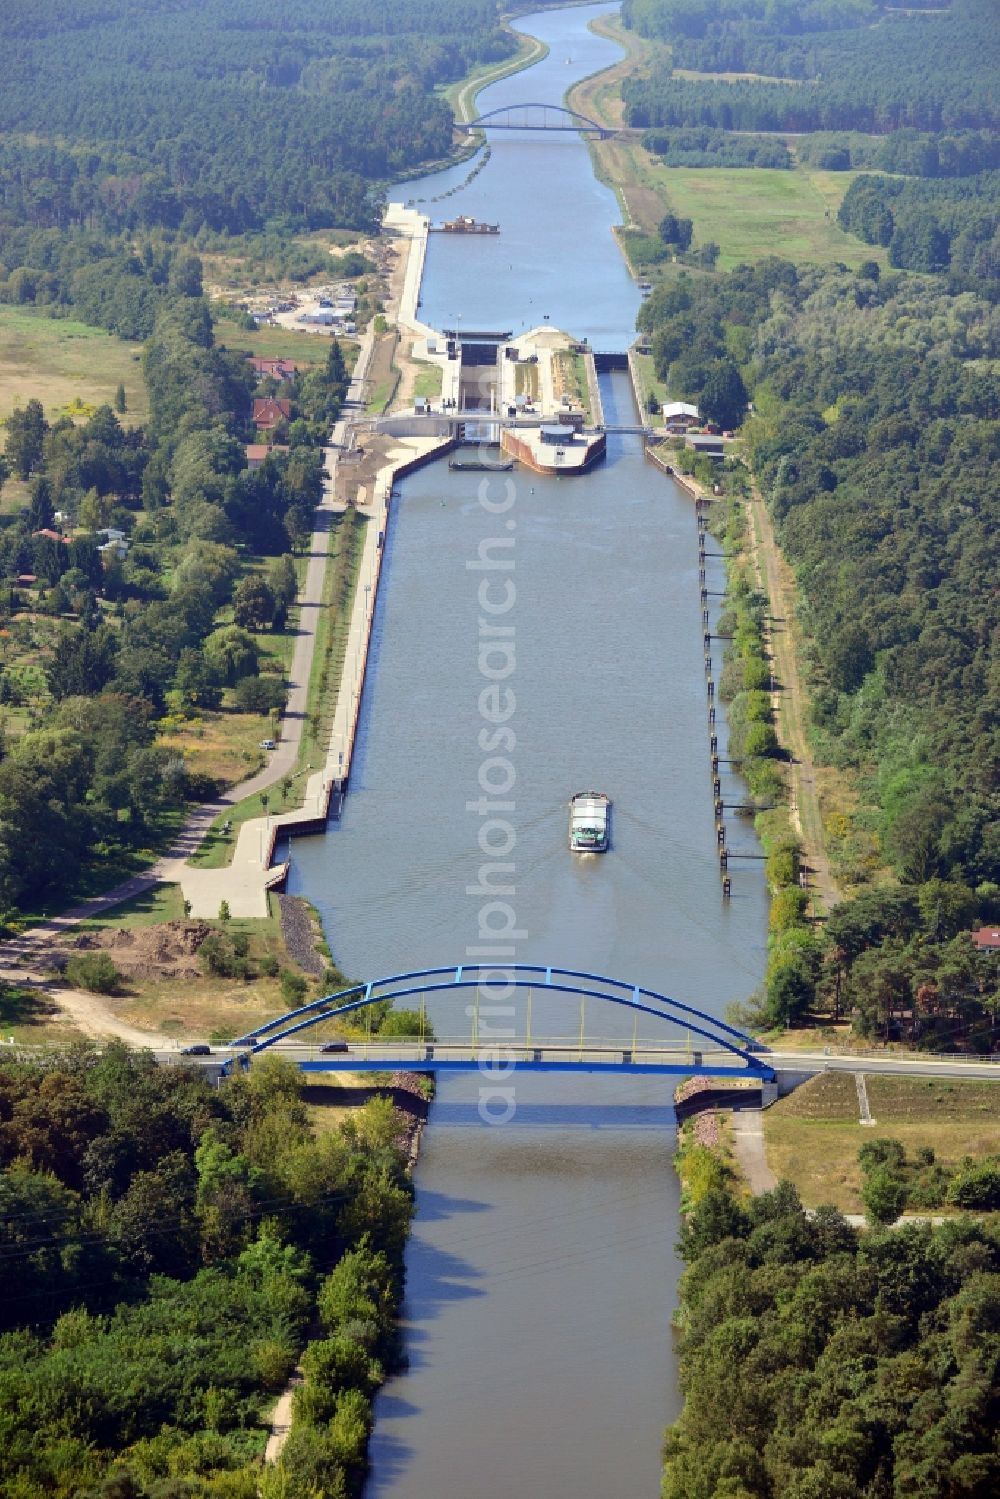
[(168, 1250), (951, 225), (715, 148), (933, 72), (818, 1362), (874, 436)]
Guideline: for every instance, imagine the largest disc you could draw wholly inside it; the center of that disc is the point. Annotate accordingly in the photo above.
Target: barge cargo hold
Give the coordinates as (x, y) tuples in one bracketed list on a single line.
[(482, 465), (589, 822)]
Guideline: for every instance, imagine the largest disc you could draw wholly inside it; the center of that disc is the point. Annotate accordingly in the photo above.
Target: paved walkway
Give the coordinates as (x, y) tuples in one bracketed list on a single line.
[(245, 882), (748, 1147)]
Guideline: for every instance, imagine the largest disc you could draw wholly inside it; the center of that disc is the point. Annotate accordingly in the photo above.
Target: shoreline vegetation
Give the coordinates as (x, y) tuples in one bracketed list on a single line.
[(876, 894), (185, 1285), (818, 1358)]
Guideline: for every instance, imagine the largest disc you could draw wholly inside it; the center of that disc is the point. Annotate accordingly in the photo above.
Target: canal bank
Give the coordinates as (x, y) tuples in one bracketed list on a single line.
[(541, 1273)]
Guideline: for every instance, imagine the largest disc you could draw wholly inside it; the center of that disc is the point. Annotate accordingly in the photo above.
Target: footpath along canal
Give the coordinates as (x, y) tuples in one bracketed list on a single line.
[(541, 1272)]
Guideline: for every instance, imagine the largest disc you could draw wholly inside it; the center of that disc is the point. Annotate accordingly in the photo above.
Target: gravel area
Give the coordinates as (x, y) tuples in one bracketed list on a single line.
[(299, 931)]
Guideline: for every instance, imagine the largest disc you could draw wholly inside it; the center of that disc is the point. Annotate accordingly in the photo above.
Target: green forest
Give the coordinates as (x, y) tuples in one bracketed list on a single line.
[(875, 437), (928, 72), (170, 1252), (820, 1363), (225, 114)]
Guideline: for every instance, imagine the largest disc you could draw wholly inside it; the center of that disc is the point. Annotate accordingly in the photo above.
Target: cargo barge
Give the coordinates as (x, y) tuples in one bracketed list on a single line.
[(482, 465), (466, 225), (589, 822)]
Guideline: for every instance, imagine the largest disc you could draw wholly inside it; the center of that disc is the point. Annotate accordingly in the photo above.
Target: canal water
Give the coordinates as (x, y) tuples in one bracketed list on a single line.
[(541, 1271)]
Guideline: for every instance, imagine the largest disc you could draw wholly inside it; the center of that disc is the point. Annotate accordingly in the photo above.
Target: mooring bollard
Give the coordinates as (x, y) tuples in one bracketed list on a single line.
[(711, 687), (717, 786), (713, 743), (711, 715), (723, 859), (727, 886), (718, 811), (720, 835)]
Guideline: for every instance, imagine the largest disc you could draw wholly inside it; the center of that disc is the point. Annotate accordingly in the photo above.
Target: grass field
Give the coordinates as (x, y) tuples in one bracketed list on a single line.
[(162, 903), (281, 343), (813, 1136), (428, 380), (651, 385), (748, 212), (68, 366), (225, 746)]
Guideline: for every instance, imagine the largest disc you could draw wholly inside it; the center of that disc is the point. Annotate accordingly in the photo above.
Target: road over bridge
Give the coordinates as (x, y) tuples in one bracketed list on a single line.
[(545, 117), (502, 1007)]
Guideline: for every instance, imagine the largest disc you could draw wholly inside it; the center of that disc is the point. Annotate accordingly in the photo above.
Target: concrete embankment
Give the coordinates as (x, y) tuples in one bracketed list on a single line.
[(594, 392), (244, 884)]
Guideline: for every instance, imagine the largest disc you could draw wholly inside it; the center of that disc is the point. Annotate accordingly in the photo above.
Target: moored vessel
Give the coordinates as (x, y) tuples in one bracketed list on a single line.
[(464, 224), (589, 822)]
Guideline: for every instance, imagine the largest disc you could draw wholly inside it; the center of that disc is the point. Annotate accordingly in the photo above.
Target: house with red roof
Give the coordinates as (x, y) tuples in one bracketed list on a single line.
[(269, 412), (278, 369), (987, 939), (257, 453)]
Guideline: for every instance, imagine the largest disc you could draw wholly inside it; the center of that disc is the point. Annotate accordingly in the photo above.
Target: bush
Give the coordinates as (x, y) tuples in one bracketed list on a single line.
[(406, 1023), (760, 739), (757, 707), (94, 971), (783, 865), (788, 908), (220, 956), (977, 1185), (264, 694), (881, 1152), (756, 674), (883, 1193), (293, 988)]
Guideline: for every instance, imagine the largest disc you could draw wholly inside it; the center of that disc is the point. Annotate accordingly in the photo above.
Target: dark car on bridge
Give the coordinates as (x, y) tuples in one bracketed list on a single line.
[(199, 1050), (329, 1046)]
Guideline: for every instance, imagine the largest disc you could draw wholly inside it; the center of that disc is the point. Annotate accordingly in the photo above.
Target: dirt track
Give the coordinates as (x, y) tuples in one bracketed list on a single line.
[(790, 702)]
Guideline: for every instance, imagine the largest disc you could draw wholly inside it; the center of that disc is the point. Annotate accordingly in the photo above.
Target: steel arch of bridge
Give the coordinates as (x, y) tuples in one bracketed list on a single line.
[(425, 981), (568, 119)]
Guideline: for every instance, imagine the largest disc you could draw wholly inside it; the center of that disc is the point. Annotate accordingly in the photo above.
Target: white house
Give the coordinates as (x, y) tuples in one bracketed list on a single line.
[(678, 416)]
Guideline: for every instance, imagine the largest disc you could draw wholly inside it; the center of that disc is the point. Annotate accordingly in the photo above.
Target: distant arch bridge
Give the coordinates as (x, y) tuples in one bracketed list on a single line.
[(534, 117), (687, 1040)]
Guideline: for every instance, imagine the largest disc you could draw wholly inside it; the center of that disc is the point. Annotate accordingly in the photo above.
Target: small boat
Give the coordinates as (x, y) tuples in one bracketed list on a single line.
[(589, 822), (482, 465)]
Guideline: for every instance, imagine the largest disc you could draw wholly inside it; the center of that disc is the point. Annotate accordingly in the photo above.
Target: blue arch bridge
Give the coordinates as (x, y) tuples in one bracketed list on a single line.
[(666, 1035), (534, 117)]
